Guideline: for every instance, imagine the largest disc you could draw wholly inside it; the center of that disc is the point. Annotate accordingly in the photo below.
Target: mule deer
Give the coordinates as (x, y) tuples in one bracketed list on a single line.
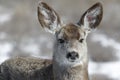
[(70, 61)]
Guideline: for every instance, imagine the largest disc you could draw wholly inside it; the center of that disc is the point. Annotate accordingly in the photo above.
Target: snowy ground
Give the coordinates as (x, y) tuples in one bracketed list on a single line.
[(110, 69)]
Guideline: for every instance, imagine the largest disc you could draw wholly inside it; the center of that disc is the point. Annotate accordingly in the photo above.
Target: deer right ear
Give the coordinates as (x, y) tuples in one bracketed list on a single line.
[(48, 18)]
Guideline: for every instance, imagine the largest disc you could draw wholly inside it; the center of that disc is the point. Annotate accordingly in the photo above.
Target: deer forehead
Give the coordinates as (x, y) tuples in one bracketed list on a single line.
[(70, 31)]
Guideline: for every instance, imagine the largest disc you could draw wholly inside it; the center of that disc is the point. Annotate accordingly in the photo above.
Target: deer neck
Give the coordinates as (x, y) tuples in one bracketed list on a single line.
[(79, 72)]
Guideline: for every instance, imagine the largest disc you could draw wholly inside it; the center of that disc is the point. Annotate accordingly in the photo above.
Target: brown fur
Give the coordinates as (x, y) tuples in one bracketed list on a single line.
[(71, 31)]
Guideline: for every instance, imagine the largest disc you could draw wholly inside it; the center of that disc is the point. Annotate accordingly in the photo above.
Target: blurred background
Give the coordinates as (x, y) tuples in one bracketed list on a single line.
[(22, 35)]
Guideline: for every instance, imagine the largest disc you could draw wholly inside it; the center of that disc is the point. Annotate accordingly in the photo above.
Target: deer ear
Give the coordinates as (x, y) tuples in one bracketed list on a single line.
[(92, 17), (48, 18)]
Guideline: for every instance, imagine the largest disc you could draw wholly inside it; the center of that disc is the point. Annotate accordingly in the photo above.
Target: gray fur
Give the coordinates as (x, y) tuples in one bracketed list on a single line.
[(26, 69)]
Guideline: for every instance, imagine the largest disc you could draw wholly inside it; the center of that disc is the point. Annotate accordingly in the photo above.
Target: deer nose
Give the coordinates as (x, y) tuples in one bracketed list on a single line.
[(72, 56)]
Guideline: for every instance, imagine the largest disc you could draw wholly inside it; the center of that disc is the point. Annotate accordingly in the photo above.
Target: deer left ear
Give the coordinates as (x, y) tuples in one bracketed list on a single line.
[(92, 17)]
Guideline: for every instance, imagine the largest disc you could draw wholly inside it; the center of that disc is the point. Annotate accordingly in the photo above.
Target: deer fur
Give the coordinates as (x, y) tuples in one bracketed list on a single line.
[(70, 60)]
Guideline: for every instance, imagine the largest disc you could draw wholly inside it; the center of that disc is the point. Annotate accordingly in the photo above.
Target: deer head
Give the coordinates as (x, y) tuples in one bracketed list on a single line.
[(70, 44)]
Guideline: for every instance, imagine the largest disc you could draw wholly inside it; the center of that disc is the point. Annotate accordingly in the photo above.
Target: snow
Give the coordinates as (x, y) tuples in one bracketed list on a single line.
[(105, 41), (110, 69), (5, 15), (5, 49), (29, 46)]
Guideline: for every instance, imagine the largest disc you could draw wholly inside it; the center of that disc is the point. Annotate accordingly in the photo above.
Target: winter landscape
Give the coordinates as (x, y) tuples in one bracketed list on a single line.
[(21, 34)]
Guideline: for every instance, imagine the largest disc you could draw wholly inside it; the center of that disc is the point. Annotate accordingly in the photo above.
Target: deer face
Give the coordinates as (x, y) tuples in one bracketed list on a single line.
[(70, 44)]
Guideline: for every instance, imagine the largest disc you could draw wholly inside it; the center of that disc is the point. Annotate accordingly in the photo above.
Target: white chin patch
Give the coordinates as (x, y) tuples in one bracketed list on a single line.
[(73, 63), (78, 64)]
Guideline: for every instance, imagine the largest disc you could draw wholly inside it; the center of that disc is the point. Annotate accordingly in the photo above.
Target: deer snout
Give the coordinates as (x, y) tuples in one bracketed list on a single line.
[(72, 56)]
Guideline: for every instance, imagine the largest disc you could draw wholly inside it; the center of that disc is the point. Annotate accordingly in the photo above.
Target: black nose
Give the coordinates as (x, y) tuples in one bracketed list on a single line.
[(72, 55)]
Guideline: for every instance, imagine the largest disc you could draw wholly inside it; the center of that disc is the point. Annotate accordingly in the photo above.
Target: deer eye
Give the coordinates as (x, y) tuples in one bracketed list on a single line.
[(81, 40), (61, 40)]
